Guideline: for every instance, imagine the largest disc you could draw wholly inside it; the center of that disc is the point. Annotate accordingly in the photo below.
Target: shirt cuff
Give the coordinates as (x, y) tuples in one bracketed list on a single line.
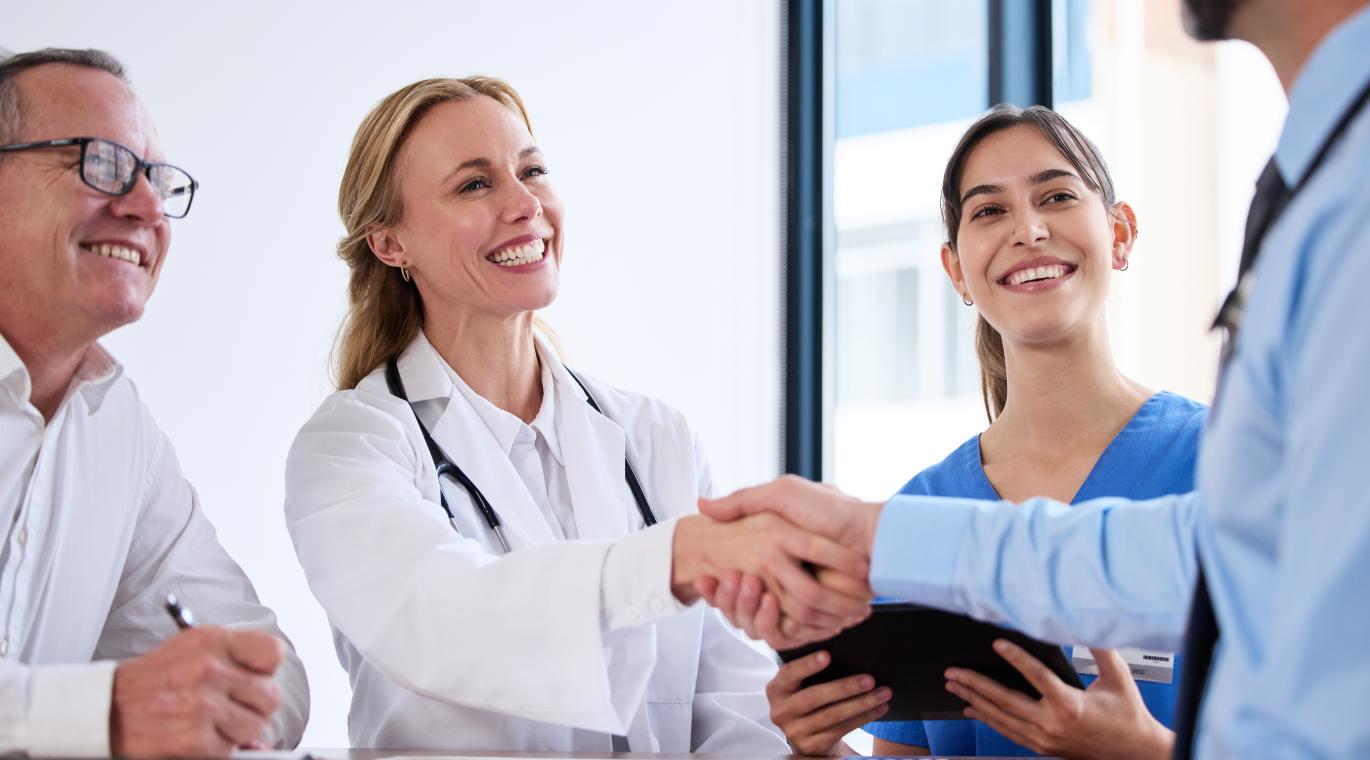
[(917, 546), (636, 586), (69, 709)]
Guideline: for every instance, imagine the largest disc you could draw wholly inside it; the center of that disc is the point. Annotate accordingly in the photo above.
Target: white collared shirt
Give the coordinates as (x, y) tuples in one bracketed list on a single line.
[(98, 524)]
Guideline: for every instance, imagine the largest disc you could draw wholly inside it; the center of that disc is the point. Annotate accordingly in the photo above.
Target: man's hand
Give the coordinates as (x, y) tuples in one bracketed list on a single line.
[(814, 507), (781, 555), (1108, 719), (203, 693)]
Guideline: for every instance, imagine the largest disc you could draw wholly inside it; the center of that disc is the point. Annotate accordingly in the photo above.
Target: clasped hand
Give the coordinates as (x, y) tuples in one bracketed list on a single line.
[(803, 548)]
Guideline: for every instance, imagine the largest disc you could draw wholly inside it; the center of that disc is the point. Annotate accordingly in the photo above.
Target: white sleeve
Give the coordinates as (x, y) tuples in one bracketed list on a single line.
[(174, 549), (55, 710), (523, 634)]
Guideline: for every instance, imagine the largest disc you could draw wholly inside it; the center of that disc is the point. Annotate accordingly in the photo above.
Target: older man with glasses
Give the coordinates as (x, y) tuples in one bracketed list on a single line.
[(97, 523)]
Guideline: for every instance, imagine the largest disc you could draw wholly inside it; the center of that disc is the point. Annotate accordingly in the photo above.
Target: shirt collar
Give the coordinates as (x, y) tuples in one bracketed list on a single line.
[(1331, 78), (13, 374), (95, 375), (506, 427)]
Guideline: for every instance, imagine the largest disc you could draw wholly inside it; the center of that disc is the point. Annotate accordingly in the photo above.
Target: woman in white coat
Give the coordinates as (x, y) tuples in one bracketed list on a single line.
[(576, 636)]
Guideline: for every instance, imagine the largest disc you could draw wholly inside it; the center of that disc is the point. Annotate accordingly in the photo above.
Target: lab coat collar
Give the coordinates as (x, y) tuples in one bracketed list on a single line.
[(593, 450)]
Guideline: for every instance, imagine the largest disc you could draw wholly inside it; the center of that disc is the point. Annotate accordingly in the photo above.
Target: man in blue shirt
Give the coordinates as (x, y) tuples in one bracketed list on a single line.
[(1280, 523)]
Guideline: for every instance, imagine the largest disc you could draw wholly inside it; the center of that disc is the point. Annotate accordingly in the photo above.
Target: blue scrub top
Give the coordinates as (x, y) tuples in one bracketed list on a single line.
[(1153, 455)]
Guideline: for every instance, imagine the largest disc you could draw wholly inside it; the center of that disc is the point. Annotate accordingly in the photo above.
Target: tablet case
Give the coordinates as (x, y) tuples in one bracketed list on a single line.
[(908, 647)]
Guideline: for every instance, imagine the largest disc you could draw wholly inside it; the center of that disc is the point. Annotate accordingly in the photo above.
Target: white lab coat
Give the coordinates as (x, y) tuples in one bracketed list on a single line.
[(451, 644)]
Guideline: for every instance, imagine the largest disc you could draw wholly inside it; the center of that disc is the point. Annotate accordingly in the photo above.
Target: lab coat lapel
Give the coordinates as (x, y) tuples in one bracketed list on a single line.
[(468, 442), (592, 449)]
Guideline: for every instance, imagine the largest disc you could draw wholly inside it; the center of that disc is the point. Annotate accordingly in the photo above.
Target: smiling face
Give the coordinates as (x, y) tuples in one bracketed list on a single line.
[(73, 256), (1035, 244), (481, 228)]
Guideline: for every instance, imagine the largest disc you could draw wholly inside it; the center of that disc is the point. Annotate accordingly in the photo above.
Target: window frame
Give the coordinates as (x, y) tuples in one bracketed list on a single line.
[(1021, 72)]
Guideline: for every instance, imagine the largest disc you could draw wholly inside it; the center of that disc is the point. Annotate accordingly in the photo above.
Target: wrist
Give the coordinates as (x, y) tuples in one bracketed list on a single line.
[(869, 521), (684, 558)]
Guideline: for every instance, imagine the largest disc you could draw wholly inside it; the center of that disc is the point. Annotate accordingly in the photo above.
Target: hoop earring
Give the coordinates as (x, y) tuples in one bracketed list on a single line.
[(1126, 263), (404, 274), (967, 301)]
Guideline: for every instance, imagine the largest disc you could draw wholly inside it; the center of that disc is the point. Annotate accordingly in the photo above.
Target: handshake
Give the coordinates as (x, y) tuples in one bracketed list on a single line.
[(787, 562)]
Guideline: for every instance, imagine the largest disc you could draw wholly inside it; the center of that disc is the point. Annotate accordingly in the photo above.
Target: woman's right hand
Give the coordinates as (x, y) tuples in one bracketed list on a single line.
[(815, 719)]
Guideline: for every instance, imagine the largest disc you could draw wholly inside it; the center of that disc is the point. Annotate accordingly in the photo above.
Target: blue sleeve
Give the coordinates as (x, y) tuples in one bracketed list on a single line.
[(908, 732), (1108, 572), (1317, 665)]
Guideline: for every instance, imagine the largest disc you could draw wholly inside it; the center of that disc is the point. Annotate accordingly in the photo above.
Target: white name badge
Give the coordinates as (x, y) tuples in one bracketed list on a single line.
[(1146, 665)]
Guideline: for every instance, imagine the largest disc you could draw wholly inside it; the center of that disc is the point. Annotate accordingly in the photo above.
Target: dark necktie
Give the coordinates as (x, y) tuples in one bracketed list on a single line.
[(1202, 635)]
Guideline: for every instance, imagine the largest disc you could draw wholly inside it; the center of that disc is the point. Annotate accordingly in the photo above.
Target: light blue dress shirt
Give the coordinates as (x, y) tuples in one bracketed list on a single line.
[(1281, 520)]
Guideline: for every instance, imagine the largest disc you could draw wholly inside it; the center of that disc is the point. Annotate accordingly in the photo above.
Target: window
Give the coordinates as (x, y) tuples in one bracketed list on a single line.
[(882, 378)]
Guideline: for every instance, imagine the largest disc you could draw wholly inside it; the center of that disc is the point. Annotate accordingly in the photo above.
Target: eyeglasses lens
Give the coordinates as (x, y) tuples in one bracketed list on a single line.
[(175, 186), (108, 167), (112, 168)]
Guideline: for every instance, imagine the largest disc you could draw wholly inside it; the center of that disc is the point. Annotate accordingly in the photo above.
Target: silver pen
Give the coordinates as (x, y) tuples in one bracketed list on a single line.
[(183, 617)]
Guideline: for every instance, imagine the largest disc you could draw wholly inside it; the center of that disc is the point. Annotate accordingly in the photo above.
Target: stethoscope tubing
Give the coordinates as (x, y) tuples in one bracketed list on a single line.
[(444, 465)]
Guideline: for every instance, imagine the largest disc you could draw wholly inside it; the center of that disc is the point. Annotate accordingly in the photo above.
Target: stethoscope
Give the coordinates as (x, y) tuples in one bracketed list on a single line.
[(446, 467)]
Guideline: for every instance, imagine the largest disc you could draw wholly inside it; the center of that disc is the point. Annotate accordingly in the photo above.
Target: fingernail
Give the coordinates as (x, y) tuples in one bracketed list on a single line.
[(951, 673), (953, 688), (822, 658), (1000, 646), (883, 694), (866, 683)]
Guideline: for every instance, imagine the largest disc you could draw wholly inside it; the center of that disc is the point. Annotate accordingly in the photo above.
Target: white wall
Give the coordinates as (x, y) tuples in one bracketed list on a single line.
[(661, 126)]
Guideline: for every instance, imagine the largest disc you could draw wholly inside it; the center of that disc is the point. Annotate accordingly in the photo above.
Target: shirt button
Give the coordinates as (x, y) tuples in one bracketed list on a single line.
[(23, 536), (5, 648)]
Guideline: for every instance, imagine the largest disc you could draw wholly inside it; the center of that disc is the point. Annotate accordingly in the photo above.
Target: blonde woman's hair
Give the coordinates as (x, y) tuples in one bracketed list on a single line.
[(385, 312)]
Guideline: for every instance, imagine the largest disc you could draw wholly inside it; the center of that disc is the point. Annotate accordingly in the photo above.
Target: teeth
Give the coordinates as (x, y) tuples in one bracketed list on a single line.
[(518, 255), (1053, 272), (115, 252)]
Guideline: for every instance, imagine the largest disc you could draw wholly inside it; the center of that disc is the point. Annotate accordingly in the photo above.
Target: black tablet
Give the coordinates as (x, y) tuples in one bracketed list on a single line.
[(908, 647)]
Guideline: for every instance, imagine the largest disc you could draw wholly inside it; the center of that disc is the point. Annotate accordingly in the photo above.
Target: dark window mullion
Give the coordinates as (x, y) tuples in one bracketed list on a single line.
[(802, 427), (1020, 52)]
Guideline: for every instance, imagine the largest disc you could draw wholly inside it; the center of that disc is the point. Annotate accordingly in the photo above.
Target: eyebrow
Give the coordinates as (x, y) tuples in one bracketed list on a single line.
[(485, 163), (1046, 175)]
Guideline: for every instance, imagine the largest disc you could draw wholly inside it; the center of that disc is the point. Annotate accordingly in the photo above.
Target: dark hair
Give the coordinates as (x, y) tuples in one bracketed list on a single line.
[(1078, 150), (11, 66)]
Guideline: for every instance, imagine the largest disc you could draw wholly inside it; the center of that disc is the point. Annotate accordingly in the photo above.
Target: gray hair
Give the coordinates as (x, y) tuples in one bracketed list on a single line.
[(11, 66)]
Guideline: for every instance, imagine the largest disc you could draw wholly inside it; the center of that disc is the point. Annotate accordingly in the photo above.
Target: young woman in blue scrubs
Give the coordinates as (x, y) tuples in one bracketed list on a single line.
[(1034, 235)]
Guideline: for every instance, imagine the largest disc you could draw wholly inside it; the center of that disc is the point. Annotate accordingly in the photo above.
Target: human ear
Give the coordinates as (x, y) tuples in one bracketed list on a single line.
[(387, 246), (1124, 233), (951, 264)]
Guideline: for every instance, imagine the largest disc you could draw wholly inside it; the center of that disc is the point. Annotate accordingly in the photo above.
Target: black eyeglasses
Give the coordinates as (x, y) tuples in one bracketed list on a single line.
[(113, 169)]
